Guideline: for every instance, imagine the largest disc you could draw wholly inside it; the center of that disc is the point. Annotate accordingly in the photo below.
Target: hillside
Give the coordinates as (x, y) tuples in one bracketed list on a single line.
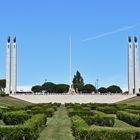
[(11, 101), (132, 101)]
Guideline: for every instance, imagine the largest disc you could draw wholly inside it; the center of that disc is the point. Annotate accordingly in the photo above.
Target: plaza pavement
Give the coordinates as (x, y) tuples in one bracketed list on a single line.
[(63, 98)]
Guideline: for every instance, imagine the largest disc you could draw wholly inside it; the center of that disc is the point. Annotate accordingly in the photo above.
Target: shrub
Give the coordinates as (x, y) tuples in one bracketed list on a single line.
[(15, 117), (48, 112), (27, 131), (3, 94), (108, 109), (82, 131), (72, 112), (133, 111), (107, 133), (1, 112), (101, 120), (78, 123), (129, 118)]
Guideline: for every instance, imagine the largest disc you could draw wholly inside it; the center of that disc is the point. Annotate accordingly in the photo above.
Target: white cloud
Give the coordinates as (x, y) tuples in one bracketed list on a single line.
[(110, 33)]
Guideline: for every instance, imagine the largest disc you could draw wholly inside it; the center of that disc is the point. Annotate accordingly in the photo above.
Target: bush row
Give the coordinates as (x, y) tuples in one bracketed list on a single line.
[(15, 117), (82, 131), (101, 120), (72, 112), (27, 131), (106, 108), (48, 112), (1, 112), (133, 111), (129, 118)]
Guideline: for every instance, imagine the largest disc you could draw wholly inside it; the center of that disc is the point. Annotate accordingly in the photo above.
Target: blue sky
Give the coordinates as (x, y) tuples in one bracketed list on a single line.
[(42, 28)]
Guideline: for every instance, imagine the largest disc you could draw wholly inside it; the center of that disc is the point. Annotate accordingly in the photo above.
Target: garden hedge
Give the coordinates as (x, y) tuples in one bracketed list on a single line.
[(82, 131), (137, 112), (49, 112), (27, 131), (15, 117), (1, 112), (101, 120), (129, 118), (72, 112)]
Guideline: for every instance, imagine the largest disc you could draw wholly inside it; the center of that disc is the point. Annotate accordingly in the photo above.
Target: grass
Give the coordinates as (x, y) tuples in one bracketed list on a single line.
[(131, 101), (59, 127), (11, 101)]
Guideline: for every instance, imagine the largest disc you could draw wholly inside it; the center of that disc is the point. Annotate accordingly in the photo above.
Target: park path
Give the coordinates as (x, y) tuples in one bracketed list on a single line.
[(59, 127)]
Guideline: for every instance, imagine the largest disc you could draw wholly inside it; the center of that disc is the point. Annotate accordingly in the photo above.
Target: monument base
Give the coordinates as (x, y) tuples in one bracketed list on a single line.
[(71, 90)]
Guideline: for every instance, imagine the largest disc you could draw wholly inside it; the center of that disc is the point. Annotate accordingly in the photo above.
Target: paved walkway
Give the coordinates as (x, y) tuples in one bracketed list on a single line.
[(59, 127), (86, 98)]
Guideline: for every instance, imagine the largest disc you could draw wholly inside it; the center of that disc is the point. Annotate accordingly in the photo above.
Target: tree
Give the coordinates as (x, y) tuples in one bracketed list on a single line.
[(102, 90), (2, 84), (36, 88), (78, 81), (49, 87), (89, 88), (114, 89), (78, 87), (61, 88)]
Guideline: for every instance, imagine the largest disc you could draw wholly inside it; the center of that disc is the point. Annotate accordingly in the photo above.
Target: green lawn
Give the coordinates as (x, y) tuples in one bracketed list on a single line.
[(59, 127), (131, 101), (10, 101)]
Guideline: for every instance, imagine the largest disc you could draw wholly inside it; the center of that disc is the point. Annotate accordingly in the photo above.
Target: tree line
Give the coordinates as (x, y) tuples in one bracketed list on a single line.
[(78, 84)]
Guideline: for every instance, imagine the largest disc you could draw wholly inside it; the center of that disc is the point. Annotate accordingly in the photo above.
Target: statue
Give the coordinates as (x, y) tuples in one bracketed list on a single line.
[(14, 39), (9, 39), (129, 39), (135, 39)]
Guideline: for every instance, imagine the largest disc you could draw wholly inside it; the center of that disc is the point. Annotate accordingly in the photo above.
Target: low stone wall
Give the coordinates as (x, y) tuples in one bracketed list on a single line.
[(78, 98)]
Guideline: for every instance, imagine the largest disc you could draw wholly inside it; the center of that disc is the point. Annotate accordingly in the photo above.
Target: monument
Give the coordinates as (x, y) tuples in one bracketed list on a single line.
[(8, 67), (71, 89), (133, 84), (14, 70), (136, 84)]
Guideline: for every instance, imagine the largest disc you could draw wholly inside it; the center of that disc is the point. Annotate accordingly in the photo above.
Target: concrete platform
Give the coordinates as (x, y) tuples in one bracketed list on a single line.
[(58, 98)]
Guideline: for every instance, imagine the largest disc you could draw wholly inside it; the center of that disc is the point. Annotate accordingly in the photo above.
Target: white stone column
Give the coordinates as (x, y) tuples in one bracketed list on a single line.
[(130, 67), (136, 71), (8, 67), (14, 67)]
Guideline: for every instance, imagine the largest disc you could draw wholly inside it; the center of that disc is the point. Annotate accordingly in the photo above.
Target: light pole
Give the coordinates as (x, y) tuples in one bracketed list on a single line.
[(97, 82)]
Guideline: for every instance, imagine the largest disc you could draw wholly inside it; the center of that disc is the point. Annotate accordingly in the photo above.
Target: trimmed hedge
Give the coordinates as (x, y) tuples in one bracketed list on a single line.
[(49, 112), (107, 109), (15, 117), (101, 120), (137, 112), (27, 131), (72, 112), (82, 131), (1, 112), (129, 118)]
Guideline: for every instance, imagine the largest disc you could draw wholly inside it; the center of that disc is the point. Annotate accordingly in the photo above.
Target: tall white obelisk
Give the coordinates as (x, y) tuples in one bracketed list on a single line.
[(71, 89), (14, 67), (136, 71), (8, 67), (130, 67)]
